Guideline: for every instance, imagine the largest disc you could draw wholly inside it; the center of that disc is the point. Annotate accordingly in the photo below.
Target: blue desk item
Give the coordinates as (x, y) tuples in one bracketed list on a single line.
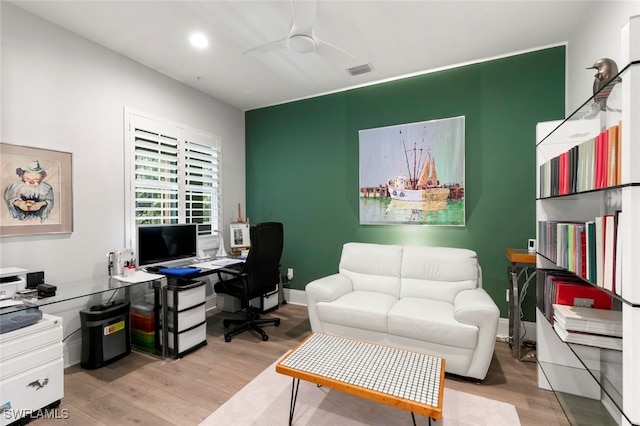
[(14, 320), (179, 271)]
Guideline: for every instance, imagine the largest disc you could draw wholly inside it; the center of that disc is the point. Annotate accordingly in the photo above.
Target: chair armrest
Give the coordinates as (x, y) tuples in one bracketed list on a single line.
[(325, 289), (234, 272)]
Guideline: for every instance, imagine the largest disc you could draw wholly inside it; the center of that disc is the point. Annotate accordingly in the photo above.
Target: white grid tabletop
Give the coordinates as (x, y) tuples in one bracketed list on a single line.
[(403, 374)]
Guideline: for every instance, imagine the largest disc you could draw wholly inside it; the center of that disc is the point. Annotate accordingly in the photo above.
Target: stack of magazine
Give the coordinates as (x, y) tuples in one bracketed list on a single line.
[(588, 326)]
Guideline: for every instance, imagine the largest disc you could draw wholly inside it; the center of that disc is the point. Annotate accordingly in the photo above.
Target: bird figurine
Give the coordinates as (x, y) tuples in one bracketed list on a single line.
[(607, 71)]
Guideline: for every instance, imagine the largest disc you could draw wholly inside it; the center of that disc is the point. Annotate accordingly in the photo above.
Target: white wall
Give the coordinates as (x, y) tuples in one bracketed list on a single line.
[(597, 37), (63, 92)]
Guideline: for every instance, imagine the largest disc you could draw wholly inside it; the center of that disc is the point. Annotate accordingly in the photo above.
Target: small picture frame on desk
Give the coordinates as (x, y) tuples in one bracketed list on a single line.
[(239, 237)]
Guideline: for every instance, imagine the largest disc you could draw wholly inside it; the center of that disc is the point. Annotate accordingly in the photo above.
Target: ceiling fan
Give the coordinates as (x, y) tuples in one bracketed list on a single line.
[(301, 37)]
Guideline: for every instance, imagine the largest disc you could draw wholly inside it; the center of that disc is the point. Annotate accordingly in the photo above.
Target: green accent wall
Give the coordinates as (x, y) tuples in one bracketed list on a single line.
[(302, 162)]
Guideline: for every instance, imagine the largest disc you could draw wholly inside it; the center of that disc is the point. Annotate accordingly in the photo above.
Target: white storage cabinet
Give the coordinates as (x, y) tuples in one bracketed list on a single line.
[(31, 369)]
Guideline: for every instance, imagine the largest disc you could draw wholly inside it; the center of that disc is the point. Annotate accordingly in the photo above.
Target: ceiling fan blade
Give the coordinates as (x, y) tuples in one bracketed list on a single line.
[(269, 47), (304, 16), (324, 47)]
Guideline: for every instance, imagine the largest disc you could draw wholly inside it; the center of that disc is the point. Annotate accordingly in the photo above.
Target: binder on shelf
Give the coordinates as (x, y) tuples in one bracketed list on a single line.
[(584, 295)]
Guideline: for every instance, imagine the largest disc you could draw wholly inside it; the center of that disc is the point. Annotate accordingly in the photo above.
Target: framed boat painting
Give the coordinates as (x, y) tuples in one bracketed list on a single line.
[(36, 188), (413, 174)]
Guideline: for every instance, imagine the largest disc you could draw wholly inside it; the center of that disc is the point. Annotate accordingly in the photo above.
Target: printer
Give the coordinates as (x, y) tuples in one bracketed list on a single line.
[(11, 281)]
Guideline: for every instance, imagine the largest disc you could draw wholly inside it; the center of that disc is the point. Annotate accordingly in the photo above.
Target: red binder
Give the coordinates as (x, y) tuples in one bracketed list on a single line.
[(573, 294)]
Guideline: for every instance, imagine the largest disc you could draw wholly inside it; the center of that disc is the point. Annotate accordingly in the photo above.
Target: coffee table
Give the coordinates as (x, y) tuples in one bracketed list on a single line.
[(403, 379)]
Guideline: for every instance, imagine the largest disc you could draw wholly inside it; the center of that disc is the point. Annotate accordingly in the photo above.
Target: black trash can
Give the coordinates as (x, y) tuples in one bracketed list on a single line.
[(106, 334)]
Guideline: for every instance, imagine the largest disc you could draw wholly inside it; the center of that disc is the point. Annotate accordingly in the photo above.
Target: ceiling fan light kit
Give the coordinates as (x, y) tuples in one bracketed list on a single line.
[(301, 37), (301, 43)]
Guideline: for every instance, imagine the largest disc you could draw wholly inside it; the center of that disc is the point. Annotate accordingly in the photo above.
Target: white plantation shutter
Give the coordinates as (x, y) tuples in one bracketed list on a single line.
[(156, 178), (173, 175), (201, 183)]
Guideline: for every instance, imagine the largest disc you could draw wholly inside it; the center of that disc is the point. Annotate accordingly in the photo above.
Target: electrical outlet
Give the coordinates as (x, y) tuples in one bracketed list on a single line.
[(507, 295), (290, 274)]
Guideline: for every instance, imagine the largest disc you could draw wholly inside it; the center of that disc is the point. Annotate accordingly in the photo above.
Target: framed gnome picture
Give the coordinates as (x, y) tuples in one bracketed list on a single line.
[(36, 187)]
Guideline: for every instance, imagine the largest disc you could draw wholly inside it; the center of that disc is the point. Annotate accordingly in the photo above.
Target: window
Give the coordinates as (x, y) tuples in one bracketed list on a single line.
[(173, 175)]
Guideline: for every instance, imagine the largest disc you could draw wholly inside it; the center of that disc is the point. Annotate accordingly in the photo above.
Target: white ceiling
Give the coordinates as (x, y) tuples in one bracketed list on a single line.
[(397, 38)]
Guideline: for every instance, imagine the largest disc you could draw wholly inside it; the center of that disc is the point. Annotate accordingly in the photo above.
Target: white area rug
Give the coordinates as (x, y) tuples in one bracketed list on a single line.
[(265, 401)]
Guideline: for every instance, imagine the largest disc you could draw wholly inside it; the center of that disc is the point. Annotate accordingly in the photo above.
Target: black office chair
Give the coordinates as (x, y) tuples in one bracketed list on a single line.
[(260, 275)]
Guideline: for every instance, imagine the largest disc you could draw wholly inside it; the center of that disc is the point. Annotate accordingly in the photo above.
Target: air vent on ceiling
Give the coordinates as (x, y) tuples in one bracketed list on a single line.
[(360, 69)]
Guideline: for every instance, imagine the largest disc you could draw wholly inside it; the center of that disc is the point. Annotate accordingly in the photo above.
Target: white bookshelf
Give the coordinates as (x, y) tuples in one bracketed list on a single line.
[(584, 377)]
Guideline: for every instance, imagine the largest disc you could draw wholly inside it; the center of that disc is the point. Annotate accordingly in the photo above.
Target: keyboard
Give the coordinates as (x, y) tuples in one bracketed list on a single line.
[(217, 263)]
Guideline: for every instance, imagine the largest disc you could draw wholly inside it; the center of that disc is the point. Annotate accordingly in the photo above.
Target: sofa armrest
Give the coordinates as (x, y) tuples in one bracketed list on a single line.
[(325, 289), (477, 308)]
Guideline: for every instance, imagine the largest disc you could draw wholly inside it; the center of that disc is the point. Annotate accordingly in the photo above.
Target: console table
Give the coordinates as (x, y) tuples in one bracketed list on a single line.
[(522, 271)]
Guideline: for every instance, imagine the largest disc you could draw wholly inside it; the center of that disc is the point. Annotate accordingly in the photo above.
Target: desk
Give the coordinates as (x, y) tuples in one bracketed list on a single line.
[(522, 270), (103, 284), (212, 267)]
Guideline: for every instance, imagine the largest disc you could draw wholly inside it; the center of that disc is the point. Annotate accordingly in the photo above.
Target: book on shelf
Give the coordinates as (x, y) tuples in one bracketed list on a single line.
[(588, 320), (591, 255), (607, 342), (609, 254), (617, 285), (587, 249), (599, 237), (613, 155)]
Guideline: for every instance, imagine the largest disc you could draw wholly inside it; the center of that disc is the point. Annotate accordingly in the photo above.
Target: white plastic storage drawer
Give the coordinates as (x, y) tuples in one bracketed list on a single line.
[(190, 338), (187, 297), (188, 318)]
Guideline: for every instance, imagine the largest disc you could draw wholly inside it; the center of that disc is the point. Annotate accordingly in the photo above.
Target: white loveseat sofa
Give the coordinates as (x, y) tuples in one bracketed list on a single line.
[(424, 299)]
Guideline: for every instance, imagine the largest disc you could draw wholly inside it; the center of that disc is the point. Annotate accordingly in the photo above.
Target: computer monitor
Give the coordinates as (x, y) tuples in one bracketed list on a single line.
[(166, 244)]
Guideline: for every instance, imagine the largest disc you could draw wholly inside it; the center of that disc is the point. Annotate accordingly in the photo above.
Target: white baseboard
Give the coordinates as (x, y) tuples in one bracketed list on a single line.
[(529, 332), (295, 297)]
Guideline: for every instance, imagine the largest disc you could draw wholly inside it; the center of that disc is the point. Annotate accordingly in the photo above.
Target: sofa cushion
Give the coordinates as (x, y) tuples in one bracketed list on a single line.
[(431, 321), (360, 309), (372, 267), (437, 272)]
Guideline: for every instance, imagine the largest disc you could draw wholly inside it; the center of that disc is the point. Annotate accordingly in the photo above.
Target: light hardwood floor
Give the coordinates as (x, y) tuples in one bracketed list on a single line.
[(143, 390)]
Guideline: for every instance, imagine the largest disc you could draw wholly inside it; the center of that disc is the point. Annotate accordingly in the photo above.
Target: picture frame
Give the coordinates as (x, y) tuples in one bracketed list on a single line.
[(36, 185), (239, 235), (413, 173)]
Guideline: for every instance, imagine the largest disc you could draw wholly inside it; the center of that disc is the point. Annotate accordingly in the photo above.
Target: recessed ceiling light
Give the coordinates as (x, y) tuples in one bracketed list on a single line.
[(199, 40)]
